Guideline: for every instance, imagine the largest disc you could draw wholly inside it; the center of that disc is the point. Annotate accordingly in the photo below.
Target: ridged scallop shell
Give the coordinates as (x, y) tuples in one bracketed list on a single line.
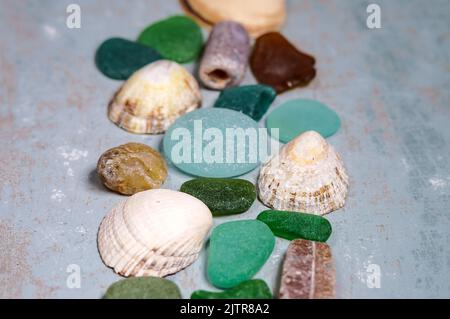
[(306, 176), (154, 233), (154, 97)]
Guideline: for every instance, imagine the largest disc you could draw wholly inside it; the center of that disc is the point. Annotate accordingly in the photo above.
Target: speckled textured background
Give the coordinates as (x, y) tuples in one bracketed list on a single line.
[(390, 87)]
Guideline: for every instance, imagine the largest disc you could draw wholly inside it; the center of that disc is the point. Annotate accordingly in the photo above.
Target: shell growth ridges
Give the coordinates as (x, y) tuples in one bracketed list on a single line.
[(306, 176), (154, 233)]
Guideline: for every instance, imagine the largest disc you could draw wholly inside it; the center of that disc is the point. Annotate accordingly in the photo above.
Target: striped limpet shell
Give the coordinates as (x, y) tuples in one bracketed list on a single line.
[(306, 176)]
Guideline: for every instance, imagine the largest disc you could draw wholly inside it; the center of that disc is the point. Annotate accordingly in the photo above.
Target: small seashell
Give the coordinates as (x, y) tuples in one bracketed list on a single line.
[(154, 233), (258, 16), (154, 97), (226, 56), (306, 176)]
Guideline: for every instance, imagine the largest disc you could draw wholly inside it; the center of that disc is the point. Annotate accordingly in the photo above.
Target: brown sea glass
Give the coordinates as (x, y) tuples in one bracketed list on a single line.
[(132, 168), (308, 271), (276, 62)]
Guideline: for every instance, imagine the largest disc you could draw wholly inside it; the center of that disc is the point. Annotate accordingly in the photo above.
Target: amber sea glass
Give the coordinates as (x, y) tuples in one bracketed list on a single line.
[(278, 63)]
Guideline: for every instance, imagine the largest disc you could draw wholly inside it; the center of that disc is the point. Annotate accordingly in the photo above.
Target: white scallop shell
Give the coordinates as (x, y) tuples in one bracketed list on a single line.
[(154, 97), (306, 176), (154, 233)]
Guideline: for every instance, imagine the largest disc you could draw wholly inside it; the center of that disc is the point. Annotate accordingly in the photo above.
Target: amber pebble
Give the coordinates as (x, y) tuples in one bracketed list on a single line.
[(278, 63), (132, 168)]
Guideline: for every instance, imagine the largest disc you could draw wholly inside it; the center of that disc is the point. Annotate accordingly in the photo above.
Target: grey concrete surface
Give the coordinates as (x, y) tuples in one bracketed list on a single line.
[(390, 87)]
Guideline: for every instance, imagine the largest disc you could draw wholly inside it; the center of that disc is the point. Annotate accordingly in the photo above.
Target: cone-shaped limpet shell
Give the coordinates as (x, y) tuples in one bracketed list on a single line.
[(306, 176), (154, 97), (154, 233)]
